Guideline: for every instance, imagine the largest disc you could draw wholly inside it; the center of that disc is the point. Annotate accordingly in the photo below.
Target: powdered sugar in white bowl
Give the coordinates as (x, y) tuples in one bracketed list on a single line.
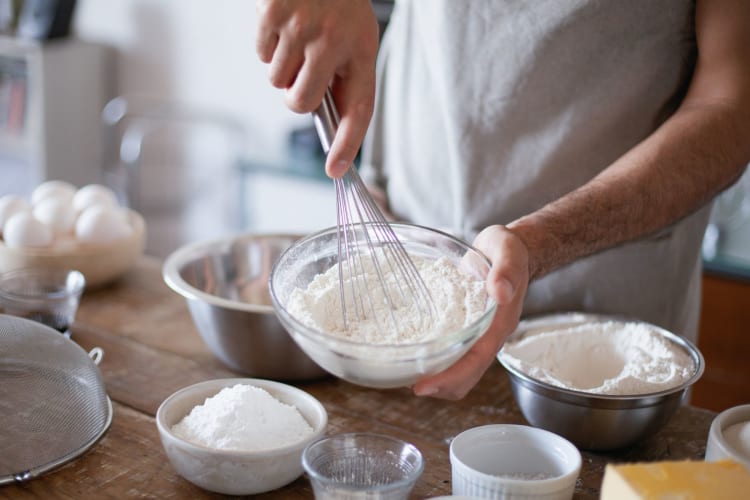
[(229, 456)]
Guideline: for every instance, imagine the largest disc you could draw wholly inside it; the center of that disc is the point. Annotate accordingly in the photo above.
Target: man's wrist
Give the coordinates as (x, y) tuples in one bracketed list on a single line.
[(534, 240)]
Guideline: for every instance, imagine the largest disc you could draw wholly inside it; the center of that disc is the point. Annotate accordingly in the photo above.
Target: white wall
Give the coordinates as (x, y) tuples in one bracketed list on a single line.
[(201, 52)]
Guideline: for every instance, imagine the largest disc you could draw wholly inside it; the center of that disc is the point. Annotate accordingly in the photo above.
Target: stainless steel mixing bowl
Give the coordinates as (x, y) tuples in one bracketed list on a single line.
[(225, 283), (594, 421)]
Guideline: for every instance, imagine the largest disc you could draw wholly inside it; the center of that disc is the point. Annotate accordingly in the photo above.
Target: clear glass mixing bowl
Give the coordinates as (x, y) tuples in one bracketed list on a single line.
[(382, 365)]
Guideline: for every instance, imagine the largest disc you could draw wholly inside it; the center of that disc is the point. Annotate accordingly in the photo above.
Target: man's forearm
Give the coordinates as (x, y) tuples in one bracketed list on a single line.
[(697, 153)]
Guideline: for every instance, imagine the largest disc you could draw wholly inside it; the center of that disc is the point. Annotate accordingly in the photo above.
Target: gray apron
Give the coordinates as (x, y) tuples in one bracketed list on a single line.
[(488, 110)]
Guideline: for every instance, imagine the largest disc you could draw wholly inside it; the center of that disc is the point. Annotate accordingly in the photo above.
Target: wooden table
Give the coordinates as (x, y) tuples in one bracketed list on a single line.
[(152, 349)]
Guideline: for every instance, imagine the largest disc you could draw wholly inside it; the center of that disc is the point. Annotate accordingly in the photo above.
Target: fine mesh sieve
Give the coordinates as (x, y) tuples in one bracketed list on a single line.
[(53, 404)]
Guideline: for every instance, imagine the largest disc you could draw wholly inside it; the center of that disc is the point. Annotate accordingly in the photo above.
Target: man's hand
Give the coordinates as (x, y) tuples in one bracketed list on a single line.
[(507, 282), (311, 45)]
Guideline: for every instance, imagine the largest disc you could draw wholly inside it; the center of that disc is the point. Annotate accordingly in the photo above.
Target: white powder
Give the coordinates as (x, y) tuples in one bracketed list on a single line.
[(460, 299), (738, 437), (243, 417), (612, 358)]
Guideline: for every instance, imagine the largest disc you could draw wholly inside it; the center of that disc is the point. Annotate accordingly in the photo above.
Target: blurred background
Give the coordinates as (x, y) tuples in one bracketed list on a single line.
[(166, 102)]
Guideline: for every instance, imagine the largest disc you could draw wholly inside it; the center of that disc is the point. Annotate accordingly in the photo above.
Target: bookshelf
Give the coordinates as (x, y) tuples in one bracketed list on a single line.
[(51, 97)]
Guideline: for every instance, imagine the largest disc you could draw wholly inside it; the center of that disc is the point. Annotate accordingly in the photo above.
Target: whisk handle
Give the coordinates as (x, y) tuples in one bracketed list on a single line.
[(326, 119)]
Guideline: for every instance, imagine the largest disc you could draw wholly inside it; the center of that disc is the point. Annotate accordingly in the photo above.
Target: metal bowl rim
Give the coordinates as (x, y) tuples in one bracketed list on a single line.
[(461, 335), (187, 253), (583, 398)]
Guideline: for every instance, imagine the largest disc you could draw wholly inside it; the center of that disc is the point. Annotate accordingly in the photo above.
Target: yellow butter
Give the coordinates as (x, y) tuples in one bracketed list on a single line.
[(685, 480)]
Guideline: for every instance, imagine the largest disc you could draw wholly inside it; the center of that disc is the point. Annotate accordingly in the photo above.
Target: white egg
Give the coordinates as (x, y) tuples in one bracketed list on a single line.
[(93, 194), (57, 213), (25, 230), (9, 205), (56, 189), (101, 224)]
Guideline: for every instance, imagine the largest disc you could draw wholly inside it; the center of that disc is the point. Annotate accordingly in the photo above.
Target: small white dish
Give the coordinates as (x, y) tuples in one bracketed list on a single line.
[(718, 447), (235, 472), (513, 461)]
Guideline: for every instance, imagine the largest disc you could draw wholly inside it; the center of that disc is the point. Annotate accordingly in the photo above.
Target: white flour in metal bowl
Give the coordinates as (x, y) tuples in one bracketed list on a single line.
[(243, 417), (460, 299), (610, 358)]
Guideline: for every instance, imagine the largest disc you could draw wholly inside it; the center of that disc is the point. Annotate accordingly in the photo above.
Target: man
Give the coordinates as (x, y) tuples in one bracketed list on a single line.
[(581, 141)]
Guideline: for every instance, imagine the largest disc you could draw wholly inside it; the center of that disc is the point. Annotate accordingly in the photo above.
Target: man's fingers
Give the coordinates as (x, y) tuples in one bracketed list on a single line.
[(509, 263), (507, 283), (267, 36), (286, 62), (265, 45), (313, 79), (455, 382), (355, 104)]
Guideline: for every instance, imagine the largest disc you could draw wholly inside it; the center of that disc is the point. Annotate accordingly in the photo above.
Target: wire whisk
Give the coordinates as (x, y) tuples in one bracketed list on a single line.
[(368, 246)]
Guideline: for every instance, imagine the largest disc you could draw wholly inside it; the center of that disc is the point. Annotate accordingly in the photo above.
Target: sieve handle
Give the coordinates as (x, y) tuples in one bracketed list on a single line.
[(96, 354), (326, 118)]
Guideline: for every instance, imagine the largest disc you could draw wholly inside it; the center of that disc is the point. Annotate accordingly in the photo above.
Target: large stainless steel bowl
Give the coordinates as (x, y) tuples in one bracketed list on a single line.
[(594, 421), (225, 283)]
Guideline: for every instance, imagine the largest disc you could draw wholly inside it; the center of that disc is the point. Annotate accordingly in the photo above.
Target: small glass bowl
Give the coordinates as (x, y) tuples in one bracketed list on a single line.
[(48, 296), (377, 365), (362, 465)]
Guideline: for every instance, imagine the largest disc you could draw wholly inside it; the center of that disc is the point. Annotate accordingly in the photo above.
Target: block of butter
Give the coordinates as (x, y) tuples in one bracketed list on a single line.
[(676, 480)]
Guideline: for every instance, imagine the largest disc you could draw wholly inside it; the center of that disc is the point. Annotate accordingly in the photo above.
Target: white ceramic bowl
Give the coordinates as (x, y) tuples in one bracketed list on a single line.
[(381, 365), (513, 461), (99, 263), (718, 446), (233, 472)]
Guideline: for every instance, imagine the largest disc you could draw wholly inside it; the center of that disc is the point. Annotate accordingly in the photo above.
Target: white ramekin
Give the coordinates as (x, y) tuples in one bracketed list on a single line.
[(717, 447), (501, 461)]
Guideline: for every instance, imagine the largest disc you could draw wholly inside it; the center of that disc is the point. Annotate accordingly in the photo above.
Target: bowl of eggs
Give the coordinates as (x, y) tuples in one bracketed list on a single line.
[(61, 226)]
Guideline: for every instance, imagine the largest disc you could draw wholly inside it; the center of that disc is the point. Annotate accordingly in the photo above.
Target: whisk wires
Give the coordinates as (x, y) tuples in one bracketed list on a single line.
[(367, 241)]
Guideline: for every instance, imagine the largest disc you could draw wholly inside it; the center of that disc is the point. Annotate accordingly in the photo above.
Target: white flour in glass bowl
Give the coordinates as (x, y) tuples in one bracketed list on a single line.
[(610, 358), (459, 298)]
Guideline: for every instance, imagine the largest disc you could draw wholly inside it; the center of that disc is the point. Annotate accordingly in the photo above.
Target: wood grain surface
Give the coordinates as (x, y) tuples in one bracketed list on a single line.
[(152, 349)]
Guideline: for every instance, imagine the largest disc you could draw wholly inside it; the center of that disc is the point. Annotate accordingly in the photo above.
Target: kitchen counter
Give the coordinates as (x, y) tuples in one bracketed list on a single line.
[(152, 349)]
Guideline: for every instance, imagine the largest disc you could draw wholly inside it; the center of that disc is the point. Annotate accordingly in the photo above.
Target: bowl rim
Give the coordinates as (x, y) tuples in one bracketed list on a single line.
[(716, 439), (25, 272), (187, 253), (526, 430), (311, 333), (573, 396), (222, 383), (314, 474), (136, 237)]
